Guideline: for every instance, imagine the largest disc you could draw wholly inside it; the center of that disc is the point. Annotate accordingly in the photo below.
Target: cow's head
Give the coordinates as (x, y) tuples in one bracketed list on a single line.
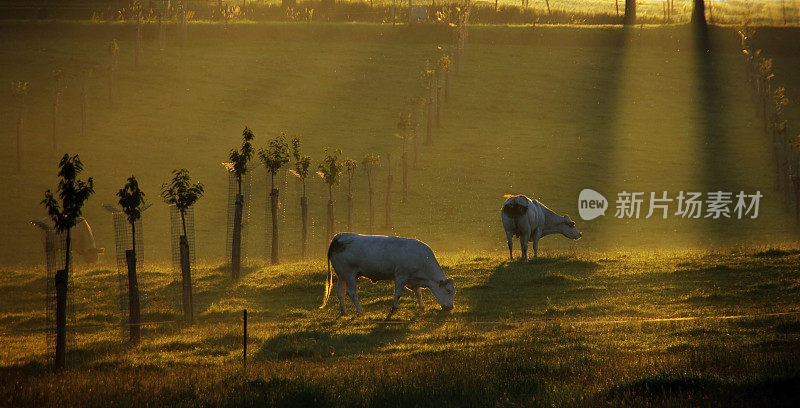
[(444, 291), (568, 229)]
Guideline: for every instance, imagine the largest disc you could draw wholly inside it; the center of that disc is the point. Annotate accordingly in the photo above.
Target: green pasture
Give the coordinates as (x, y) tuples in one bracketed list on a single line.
[(639, 312), (567, 330), (540, 111)]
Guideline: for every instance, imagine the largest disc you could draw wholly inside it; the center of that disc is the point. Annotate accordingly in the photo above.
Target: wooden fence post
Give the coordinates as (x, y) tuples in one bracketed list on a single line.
[(133, 297)]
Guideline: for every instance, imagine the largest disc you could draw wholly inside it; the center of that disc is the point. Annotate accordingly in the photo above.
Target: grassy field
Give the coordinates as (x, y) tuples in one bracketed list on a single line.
[(761, 12), (545, 112), (564, 330)]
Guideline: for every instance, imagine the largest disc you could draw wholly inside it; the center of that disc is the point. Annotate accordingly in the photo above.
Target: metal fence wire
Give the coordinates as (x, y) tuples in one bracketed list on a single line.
[(122, 243), (55, 257)]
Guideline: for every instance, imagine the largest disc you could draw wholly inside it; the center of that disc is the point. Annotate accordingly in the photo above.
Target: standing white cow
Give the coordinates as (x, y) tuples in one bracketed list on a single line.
[(408, 262), (530, 220)]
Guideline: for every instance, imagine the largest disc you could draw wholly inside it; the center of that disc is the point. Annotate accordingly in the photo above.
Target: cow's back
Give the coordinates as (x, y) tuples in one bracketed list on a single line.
[(378, 257)]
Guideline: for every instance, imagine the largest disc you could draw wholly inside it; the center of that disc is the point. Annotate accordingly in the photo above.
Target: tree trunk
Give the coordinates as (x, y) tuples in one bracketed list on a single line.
[(447, 85), (630, 12), (438, 103), (699, 13), (19, 139), (304, 231), (62, 279), (236, 245), (186, 274), (429, 123), (349, 212), (371, 212), (138, 52), (389, 201), (56, 105), (111, 85), (162, 34), (133, 297), (61, 319), (273, 208), (405, 176), (415, 135), (330, 219), (84, 98), (457, 53), (437, 93)]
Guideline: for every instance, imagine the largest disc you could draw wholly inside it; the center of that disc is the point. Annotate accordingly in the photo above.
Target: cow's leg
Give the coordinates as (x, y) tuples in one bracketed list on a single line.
[(399, 284), (523, 243), (535, 239), (509, 238), (350, 286), (418, 292), (341, 286)]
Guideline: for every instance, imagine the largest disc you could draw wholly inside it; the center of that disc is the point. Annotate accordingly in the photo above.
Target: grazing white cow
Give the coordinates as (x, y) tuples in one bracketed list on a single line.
[(81, 239), (530, 220), (408, 262)]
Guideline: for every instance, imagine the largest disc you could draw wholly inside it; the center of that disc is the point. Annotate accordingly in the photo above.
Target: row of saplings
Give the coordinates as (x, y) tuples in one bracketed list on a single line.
[(65, 209)]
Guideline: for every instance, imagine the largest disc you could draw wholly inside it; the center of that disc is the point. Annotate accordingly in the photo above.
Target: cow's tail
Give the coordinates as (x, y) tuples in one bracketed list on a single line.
[(329, 280)]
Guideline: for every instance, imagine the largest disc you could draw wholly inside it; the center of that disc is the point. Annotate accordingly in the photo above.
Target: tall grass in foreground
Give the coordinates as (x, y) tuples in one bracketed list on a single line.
[(565, 331)]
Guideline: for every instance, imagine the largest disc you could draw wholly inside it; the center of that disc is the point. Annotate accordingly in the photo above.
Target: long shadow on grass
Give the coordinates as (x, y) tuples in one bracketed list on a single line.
[(320, 343), (600, 114), (731, 289), (524, 288)]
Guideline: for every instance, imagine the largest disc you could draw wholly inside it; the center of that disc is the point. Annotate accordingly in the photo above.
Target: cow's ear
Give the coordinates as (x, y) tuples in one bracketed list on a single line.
[(442, 283)]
